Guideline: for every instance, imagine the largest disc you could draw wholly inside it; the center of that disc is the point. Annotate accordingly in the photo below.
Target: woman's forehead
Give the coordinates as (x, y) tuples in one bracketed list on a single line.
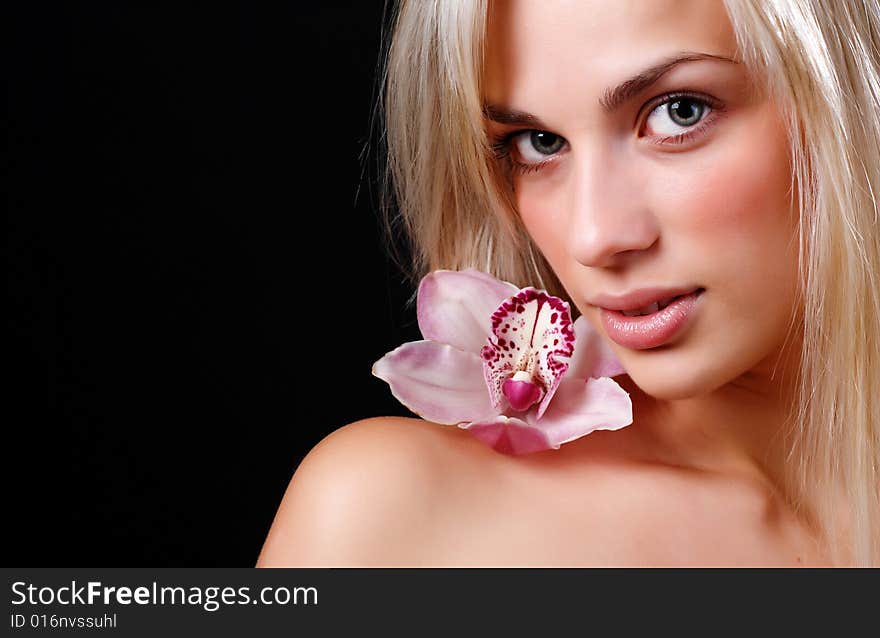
[(540, 44)]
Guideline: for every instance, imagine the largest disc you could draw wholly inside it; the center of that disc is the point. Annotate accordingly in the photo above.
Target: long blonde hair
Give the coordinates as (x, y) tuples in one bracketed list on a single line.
[(821, 60)]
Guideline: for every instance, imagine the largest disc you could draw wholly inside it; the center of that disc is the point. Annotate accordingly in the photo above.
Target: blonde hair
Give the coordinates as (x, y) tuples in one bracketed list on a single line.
[(821, 60)]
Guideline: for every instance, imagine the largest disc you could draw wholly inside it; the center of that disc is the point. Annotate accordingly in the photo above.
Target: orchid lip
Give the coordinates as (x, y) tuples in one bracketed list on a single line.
[(521, 391), (531, 333)]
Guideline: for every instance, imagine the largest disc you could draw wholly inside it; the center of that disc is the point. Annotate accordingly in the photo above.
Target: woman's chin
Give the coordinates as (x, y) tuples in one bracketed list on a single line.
[(669, 386)]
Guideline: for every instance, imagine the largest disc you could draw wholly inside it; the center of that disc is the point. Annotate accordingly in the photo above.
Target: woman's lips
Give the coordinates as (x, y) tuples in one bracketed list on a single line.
[(655, 329)]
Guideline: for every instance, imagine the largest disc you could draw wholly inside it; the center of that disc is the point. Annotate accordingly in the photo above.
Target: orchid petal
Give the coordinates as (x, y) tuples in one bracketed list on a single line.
[(580, 408), (509, 435), (592, 357), (436, 381), (454, 306), (531, 332)]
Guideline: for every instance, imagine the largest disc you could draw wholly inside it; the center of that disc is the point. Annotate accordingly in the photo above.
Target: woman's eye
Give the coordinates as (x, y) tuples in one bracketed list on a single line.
[(677, 115), (674, 120), (534, 147)]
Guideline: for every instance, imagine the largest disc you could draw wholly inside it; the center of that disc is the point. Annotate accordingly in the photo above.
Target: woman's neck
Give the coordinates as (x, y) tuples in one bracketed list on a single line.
[(742, 429)]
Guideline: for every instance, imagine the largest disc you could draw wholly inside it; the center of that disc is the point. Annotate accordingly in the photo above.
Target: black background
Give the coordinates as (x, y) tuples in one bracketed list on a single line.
[(197, 280)]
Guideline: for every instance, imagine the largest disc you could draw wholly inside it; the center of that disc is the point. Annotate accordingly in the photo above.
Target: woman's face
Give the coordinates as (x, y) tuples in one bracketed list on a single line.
[(678, 179)]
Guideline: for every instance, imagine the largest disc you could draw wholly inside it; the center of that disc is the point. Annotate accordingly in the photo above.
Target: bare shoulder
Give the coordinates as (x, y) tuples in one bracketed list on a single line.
[(404, 492), (394, 491), (362, 496)]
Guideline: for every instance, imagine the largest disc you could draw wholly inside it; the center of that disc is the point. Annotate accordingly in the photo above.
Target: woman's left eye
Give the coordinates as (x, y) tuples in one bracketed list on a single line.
[(677, 115)]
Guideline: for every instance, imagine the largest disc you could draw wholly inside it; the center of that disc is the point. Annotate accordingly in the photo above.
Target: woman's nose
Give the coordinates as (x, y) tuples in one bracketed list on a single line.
[(609, 216)]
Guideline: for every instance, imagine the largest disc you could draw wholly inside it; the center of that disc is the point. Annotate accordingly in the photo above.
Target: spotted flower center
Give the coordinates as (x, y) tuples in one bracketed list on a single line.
[(531, 341)]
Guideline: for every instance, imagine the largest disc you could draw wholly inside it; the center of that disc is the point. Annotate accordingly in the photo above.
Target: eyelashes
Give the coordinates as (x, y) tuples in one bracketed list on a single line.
[(510, 148)]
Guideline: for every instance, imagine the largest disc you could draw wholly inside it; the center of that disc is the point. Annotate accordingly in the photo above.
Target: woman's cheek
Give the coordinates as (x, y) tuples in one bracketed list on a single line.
[(733, 214), (540, 205), (737, 183)]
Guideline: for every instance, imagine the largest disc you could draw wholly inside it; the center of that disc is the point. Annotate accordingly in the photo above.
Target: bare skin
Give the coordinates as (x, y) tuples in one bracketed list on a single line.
[(698, 479), (404, 492)]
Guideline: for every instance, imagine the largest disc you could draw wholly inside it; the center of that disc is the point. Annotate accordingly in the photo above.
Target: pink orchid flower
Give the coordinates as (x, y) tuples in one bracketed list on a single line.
[(506, 364)]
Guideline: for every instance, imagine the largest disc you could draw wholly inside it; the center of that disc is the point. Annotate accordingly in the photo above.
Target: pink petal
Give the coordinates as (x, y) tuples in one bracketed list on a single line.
[(582, 407), (532, 332), (436, 381), (509, 435), (454, 307), (592, 357)]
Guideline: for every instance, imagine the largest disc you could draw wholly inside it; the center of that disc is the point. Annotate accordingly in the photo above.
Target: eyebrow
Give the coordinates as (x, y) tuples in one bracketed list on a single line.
[(611, 99)]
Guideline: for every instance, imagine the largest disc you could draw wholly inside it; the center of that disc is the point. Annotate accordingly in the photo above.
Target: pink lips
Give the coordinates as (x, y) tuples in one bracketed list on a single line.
[(655, 329)]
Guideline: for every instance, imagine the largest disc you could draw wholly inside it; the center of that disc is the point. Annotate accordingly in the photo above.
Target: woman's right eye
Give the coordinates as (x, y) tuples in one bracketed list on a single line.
[(535, 147)]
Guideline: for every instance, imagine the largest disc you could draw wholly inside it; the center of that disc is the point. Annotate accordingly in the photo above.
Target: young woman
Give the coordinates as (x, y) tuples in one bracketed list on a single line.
[(601, 151)]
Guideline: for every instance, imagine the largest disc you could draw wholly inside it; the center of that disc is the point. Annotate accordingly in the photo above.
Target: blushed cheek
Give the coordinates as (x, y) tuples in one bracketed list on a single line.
[(544, 215), (733, 209), (740, 229), (737, 183)]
